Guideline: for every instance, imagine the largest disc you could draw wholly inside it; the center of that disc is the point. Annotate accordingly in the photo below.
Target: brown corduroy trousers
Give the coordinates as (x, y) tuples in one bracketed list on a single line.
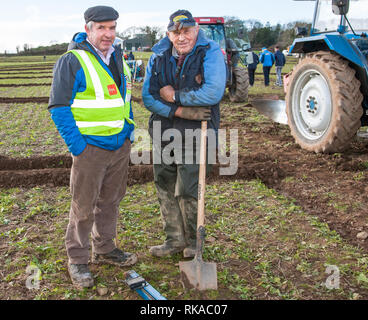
[(97, 184)]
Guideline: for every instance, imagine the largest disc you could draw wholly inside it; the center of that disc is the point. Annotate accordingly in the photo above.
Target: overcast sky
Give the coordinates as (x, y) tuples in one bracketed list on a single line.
[(41, 22)]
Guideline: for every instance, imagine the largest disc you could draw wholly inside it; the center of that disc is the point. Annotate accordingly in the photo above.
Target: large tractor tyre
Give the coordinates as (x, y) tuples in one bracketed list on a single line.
[(238, 91), (323, 103)]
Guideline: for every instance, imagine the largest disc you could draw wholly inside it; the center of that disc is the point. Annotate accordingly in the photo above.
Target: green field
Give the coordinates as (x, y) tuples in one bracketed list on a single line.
[(275, 231)]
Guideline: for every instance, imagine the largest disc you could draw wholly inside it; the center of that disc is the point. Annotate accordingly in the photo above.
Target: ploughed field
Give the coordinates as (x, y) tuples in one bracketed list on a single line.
[(288, 224)]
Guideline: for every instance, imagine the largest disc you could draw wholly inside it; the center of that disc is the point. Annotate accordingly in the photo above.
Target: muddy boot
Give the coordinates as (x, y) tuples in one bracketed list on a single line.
[(80, 275), (188, 206), (165, 249), (115, 257)]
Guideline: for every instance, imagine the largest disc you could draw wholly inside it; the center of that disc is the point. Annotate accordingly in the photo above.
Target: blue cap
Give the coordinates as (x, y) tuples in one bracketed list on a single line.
[(181, 19)]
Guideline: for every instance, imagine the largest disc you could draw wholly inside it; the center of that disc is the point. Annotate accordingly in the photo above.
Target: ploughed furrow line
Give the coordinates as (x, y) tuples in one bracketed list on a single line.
[(55, 171), (22, 72), (46, 162), (58, 177), (14, 85), (24, 100), (36, 77), (28, 67)]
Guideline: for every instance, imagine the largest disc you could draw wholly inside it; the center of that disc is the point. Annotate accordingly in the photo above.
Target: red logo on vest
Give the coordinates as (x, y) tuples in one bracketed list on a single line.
[(112, 89)]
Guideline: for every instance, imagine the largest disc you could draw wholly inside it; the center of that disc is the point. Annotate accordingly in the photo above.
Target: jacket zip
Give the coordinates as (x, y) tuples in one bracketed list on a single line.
[(122, 78)]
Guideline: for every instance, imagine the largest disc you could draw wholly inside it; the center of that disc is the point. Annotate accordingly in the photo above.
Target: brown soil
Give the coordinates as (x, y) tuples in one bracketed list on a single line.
[(55, 171), (35, 163), (332, 187), (58, 177)]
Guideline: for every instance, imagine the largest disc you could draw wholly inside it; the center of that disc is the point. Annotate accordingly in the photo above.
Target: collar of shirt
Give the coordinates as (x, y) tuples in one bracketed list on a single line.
[(106, 59), (174, 53), (177, 56)]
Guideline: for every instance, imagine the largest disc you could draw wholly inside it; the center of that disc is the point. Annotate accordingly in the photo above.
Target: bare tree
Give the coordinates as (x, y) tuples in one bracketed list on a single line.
[(153, 33)]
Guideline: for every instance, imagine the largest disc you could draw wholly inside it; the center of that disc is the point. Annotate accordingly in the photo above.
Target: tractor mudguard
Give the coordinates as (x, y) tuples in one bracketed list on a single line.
[(339, 44), (330, 42)]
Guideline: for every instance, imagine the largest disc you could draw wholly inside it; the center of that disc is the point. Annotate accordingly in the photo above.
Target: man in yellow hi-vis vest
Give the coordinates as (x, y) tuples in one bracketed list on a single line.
[(90, 106)]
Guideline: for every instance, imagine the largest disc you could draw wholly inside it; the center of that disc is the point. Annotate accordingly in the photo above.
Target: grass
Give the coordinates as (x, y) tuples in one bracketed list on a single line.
[(24, 81), (264, 245), (25, 92), (27, 129), (43, 139), (26, 60)]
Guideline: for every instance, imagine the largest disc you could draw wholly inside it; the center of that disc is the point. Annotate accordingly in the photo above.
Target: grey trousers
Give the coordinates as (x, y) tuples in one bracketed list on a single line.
[(97, 185), (279, 76)]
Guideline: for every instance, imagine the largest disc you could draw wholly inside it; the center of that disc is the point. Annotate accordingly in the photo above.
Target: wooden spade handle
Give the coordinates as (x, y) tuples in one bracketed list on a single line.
[(202, 175)]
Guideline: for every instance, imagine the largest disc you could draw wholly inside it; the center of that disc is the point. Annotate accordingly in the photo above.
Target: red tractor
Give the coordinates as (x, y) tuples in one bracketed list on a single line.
[(233, 49)]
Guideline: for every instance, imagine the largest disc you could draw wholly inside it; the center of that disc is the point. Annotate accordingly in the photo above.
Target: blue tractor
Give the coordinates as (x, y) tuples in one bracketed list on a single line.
[(327, 91)]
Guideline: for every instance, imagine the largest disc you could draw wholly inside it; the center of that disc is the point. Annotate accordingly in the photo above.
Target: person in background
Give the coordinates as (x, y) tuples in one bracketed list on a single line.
[(267, 59), (131, 56), (279, 63), (252, 68)]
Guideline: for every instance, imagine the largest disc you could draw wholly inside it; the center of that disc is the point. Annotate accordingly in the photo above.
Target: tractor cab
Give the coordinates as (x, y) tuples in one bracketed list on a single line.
[(335, 23), (214, 29), (233, 44), (340, 16), (346, 17), (232, 41)]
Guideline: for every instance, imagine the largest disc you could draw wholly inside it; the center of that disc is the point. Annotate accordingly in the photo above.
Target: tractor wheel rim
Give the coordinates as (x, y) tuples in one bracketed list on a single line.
[(312, 105)]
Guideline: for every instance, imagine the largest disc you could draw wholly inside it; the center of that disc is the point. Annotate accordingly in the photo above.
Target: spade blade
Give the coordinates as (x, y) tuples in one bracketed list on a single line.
[(199, 274)]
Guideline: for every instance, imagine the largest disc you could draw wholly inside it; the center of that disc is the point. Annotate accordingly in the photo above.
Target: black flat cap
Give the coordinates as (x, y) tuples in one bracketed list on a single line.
[(181, 19), (100, 13)]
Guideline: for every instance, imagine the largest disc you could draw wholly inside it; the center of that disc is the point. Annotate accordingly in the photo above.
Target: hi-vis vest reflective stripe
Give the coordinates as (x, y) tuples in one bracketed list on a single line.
[(100, 110)]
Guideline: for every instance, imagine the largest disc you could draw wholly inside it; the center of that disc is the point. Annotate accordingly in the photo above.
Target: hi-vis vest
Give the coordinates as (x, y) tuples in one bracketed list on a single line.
[(100, 110)]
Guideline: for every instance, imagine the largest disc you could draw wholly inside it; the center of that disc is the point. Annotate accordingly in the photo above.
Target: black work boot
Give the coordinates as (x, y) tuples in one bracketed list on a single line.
[(115, 257), (80, 275), (165, 249)]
